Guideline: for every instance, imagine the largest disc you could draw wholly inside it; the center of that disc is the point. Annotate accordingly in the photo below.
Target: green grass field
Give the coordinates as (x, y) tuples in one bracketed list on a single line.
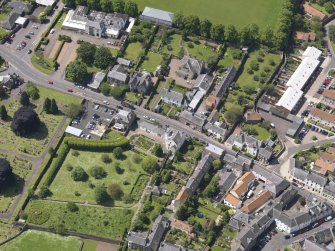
[(151, 62), (228, 59), (133, 50), (64, 187), (90, 245), (96, 220), (237, 12), (174, 45), (61, 98), (201, 51), (41, 241), (262, 133)]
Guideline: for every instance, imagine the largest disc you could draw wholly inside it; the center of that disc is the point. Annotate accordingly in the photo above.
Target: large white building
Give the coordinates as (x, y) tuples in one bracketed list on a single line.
[(293, 94)]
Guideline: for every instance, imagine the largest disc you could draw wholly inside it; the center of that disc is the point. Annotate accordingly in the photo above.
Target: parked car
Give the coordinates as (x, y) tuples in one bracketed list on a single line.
[(31, 33), (69, 90), (315, 224), (29, 51), (35, 27), (27, 36), (328, 218), (50, 82)]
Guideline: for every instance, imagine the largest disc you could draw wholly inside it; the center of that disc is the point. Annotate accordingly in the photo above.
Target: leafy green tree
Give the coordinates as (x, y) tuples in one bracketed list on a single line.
[(73, 110), (105, 158), (105, 88), (24, 99), (98, 172), (86, 52), (115, 192), (42, 17), (205, 28), (329, 7), (149, 164), (231, 34), (79, 174), (102, 57), (54, 107), (118, 6), (217, 164), (77, 72), (70, 3), (93, 4), (43, 191), (106, 6), (101, 195), (217, 32), (192, 24), (267, 37), (332, 32), (131, 8), (72, 207), (118, 152), (81, 2), (179, 20), (32, 91), (46, 105), (234, 114), (158, 150), (3, 112)]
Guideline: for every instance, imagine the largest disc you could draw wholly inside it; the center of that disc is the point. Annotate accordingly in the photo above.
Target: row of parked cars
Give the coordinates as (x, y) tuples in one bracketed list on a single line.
[(319, 130), (324, 84)]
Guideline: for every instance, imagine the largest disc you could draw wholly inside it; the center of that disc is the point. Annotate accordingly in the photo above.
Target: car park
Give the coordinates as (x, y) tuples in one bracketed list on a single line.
[(320, 91)]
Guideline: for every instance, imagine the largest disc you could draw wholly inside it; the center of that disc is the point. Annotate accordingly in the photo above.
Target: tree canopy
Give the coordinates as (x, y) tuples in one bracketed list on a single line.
[(77, 72), (102, 57), (6, 174), (25, 121)]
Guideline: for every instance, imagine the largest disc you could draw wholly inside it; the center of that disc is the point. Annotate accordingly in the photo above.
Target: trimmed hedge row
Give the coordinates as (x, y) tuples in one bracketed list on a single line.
[(58, 51), (56, 163), (53, 23), (96, 145)]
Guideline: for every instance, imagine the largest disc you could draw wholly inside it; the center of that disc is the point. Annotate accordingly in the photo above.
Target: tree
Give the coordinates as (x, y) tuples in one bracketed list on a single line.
[(32, 91), (93, 4), (72, 207), (115, 192), (332, 32), (182, 213), (25, 121), (24, 99), (77, 72), (86, 52), (179, 20), (6, 174), (217, 164), (46, 105), (79, 174), (73, 110), (106, 6), (217, 32), (267, 37), (158, 150), (101, 195), (192, 24), (3, 113), (43, 191), (231, 34), (149, 164), (118, 6), (81, 2), (102, 57), (233, 115), (302, 201), (329, 7), (105, 88), (70, 3), (205, 28), (53, 107), (118, 152), (131, 8), (105, 158), (42, 17), (98, 172)]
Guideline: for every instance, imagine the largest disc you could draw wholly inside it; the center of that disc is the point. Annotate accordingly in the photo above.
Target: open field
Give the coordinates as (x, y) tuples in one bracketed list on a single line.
[(64, 187), (152, 60), (260, 12), (96, 220), (41, 241)]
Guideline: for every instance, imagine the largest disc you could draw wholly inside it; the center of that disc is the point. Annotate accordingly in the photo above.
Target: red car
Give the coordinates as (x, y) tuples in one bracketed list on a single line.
[(327, 81), (50, 82), (69, 90)]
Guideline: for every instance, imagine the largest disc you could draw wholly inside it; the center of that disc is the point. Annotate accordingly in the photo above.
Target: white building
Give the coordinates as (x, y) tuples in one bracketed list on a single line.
[(290, 99), (174, 140)]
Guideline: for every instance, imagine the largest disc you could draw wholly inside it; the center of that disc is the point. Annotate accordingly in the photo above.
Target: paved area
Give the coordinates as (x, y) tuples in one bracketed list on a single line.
[(174, 64)]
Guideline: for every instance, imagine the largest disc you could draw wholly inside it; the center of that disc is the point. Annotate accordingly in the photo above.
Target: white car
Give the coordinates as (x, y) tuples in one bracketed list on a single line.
[(146, 117), (152, 120)]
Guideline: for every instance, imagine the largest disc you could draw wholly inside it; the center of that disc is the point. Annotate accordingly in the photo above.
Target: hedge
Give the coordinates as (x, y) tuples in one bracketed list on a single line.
[(53, 23), (96, 145), (56, 163), (58, 51)]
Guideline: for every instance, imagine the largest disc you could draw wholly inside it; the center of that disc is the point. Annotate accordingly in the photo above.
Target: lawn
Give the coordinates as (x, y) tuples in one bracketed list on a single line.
[(143, 143), (200, 51), (61, 98), (89, 245), (41, 241), (228, 59), (173, 45), (64, 187), (134, 98), (152, 60), (7, 231), (100, 221), (180, 89), (237, 12), (113, 51), (262, 133), (41, 63), (133, 50)]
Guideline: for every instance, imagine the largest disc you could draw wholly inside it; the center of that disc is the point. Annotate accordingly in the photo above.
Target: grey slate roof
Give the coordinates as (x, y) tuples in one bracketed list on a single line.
[(265, 152), (216, 129), (227, 180), (9, 23), (124, 62), (330, 188), (324, 236), (193, 119), (151, 127), (204, 82), (174, 96), (317, 178), (97, 80), (300, 174), (312, 246), (170, 247), (119, 73), (225, 82), (158, 14), (192, 64)]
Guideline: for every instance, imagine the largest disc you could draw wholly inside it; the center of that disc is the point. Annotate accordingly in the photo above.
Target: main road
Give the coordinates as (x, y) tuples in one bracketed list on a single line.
[(23, 67)]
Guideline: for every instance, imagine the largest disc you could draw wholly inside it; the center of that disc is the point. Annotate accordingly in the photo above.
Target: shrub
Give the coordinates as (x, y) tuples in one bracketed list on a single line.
[(79, 174), (115, 191), (98, 172), (101, 195), (75, 153), (137, 158), (65, 38), (149, 164), (118, 152), (72, 207), (190, 45), (105, 158), (43, 191), (69, 167)]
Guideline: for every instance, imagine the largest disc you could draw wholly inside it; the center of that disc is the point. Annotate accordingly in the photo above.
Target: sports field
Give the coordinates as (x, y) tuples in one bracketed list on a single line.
[(41, 241), (237, 12)]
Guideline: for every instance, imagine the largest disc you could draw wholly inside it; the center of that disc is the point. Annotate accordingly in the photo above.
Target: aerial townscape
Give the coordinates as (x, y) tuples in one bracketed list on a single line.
[(167, 125)]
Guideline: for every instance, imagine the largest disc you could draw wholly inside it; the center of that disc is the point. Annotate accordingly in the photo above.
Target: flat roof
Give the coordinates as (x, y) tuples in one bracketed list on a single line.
[(45, 2), (312, 52), (158, 14), (73, 24), (290, 98), (214, 149), (73, 131), (21, 20), (302, 74)]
